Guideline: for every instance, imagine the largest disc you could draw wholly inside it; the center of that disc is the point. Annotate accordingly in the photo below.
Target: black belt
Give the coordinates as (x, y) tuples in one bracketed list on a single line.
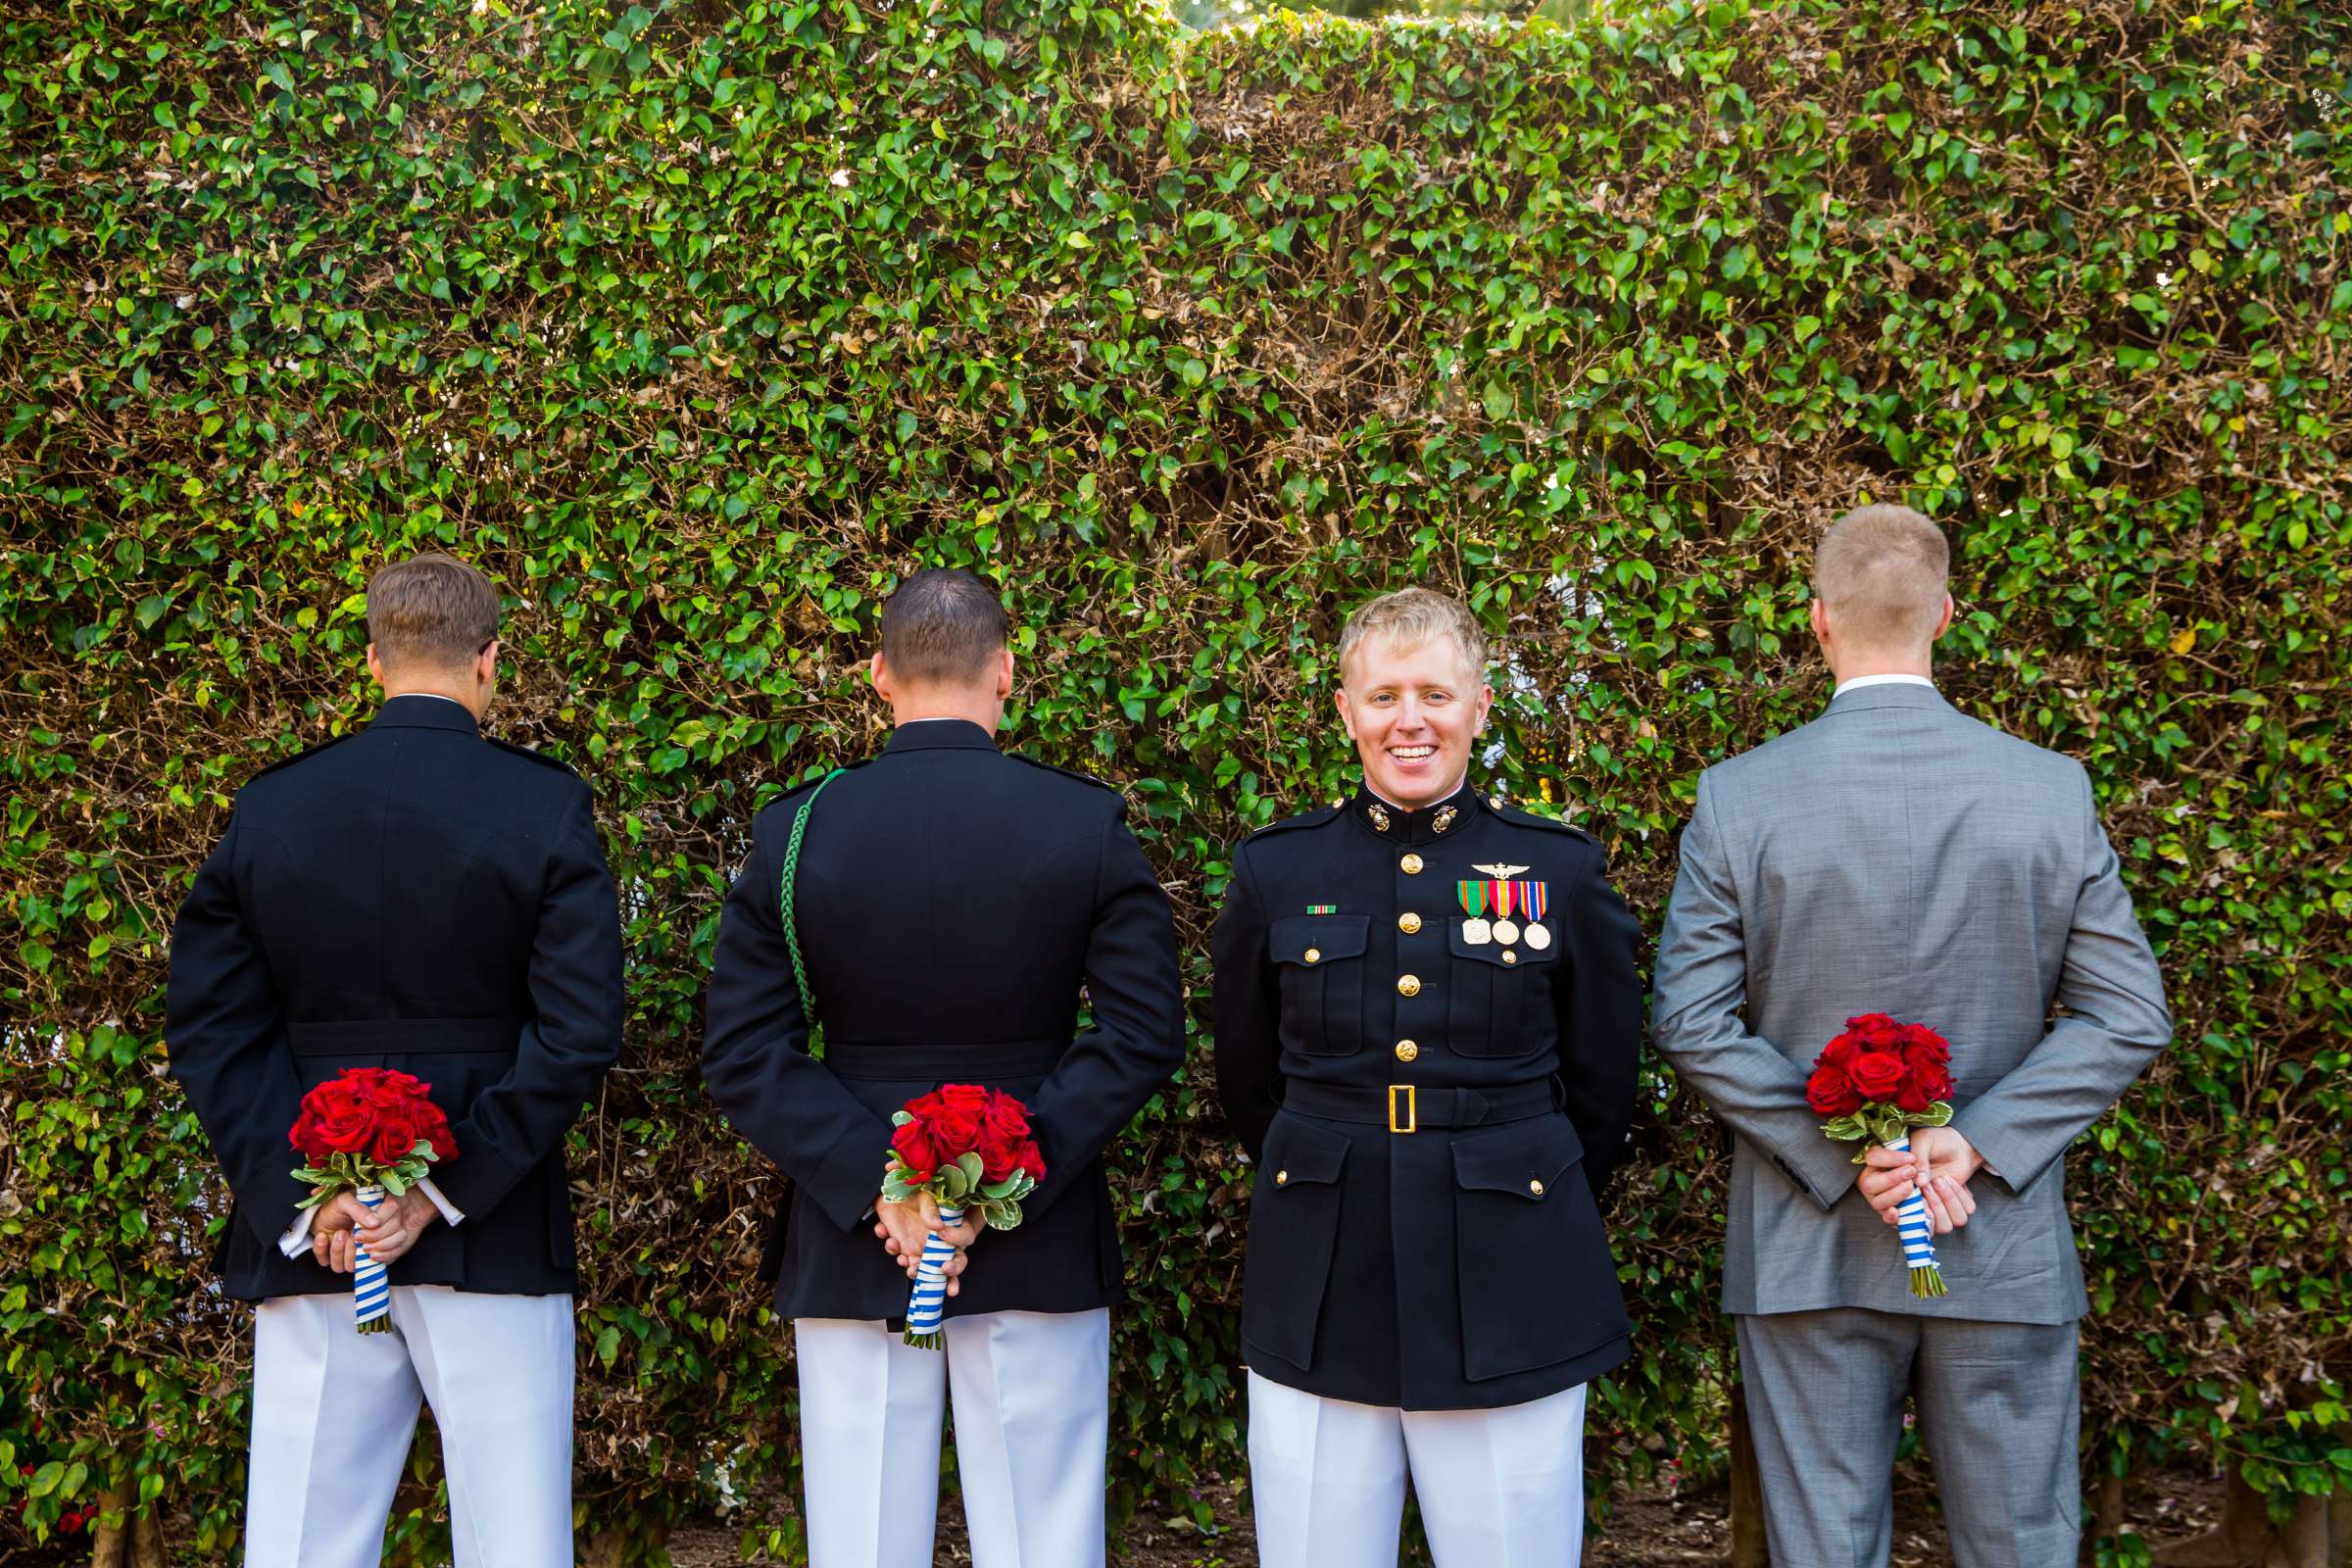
[(1007, 1059), (407, 1037), (1409, 1107)]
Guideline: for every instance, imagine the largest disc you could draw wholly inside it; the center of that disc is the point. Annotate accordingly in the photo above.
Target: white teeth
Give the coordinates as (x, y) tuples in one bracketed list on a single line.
[(1410, 753)]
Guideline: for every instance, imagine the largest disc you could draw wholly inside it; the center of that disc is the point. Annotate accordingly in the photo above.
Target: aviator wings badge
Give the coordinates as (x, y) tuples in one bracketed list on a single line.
[(1501, 873)]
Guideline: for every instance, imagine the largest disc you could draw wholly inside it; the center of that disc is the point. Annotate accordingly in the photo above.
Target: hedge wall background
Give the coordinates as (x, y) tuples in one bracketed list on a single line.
[(697, 325)]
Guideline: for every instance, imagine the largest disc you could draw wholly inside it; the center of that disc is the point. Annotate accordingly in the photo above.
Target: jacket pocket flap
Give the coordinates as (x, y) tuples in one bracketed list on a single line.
[(1323, 935), (1522, 953), (1526, 1159), (1299, 1151)]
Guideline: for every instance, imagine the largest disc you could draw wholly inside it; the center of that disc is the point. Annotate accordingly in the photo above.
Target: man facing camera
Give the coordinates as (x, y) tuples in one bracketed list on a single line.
[(418, 896), (1896, 856), (950, 902)]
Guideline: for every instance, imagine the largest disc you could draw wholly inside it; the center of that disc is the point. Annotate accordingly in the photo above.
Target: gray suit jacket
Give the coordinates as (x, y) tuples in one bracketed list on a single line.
[(1894, 856)]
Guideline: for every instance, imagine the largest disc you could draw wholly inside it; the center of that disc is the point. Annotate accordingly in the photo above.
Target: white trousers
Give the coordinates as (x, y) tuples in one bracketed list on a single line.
[(1498, 1489), (1032, 1399), (334, 1411)]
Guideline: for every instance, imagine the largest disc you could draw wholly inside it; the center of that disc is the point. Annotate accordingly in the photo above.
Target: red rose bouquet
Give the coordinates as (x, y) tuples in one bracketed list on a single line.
[(1876, 1082), (375, 1131), (970, 1148)]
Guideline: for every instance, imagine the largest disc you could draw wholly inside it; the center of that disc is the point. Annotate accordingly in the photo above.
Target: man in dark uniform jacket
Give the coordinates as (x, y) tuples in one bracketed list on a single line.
[(416, 896), (951, 899), (1428, 1027)]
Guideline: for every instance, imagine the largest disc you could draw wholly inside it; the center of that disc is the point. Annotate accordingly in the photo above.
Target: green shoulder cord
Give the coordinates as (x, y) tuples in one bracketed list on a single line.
[(792, 934)]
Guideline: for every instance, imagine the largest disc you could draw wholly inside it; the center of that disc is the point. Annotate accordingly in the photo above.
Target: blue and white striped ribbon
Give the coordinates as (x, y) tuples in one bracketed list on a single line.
[(1911, 1220), (370, 1287), (927, 1305)]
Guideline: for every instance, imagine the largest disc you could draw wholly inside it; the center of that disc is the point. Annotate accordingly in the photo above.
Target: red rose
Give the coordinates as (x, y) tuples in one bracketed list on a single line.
[(395, 1135), (1003, 1129), (914, 1146), (1876, 1074), (1032, 1161), (433, 1127), (955, 1124), (342, 1120), (1829, 1092), (1917, 1037)]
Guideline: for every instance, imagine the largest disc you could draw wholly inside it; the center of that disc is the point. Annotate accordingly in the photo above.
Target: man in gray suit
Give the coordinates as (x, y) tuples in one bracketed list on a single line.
[(1896, 857)]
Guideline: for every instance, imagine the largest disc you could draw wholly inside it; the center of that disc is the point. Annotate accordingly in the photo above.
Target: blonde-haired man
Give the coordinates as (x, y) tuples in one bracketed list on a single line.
[(1427, 1022), (1896, 857)]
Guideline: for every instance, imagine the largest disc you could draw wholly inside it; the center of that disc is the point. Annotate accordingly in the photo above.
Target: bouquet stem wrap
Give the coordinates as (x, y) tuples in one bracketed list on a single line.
[(927, 1304), (1911, 1224), (371, 1288)]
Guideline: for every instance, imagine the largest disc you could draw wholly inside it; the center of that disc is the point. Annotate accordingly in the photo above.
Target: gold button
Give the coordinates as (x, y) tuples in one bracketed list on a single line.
[(1408, 922), (1510, 957), (1407, 1050), (1315, 955), (1535, 1188), (1412, 864), (1410, 985), (1281, 1177)]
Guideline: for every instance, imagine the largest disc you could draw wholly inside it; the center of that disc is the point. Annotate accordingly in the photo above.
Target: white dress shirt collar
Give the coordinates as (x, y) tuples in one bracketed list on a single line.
[(1860, 681)]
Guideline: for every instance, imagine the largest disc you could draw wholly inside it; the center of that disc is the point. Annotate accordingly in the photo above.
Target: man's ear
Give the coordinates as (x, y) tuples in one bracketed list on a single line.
[(485, 665), (1821, 624), (1004, 674), (879, 673), (1346, 719), (376, 665), (1946, 624), (1486, 706)]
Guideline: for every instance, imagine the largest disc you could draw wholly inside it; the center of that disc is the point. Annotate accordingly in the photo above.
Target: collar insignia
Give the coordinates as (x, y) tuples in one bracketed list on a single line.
[(1379, 815)]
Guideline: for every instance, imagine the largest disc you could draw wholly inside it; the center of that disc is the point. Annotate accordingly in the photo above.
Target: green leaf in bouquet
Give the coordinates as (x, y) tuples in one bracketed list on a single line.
[(1004, 1215), (900, 1118), (396, 1180), (1938, 1114), (894, 1186), (973, 1170), (953, 1184)]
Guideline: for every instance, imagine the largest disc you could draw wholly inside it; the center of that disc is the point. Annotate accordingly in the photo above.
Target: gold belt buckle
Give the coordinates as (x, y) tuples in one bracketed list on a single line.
[(1412, 1112)]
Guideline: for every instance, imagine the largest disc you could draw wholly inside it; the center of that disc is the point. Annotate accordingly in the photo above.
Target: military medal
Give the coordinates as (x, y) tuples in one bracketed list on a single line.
[(1506, 929), (1537, 901), (1475, 930)]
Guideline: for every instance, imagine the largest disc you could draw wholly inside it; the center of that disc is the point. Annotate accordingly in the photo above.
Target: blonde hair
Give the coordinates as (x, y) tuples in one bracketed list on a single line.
[(1882, 572), (430, 611), (1411, 616)]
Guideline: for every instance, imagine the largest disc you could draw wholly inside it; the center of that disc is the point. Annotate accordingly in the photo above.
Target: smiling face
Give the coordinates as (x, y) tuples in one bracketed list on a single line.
[(1412, 712)]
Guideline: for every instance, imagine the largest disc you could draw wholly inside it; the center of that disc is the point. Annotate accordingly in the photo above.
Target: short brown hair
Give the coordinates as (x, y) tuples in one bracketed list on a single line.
[(1411, 616), (943, 627), (1882, 572), (432, 611)]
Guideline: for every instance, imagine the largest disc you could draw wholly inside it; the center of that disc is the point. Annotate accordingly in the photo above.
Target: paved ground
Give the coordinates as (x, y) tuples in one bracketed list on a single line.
[(1655, 1530)]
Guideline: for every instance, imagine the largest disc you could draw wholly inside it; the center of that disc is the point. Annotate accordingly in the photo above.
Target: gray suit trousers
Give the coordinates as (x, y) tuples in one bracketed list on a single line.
[(1997, 1412)]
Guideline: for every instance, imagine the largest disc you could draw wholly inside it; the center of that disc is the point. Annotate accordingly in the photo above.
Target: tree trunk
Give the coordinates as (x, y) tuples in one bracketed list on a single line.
[(109, 1545), (2242, 1540), (1747, 1493)]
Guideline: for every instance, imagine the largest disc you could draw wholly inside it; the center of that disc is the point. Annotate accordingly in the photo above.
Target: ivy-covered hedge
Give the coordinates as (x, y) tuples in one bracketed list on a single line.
[(698, 325)]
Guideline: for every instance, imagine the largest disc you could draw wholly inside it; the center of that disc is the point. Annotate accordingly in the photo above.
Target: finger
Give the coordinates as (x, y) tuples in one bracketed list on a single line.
[(928, 1212), (953, 1287), (1886, 1159), (1956, 1201)]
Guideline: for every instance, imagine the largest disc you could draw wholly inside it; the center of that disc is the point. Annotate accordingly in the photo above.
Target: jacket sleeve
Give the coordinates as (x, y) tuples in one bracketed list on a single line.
[(1137, 1040), (573, 1037), (1701, 985), (756, 1059), (1598, 1011), (226, 1036), (2112, 1022), (1248, 1011)]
